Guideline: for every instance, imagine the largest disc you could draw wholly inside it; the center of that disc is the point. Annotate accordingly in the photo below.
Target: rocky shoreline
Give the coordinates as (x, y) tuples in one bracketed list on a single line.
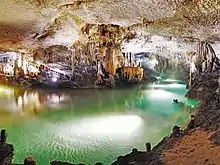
[(198, 144)]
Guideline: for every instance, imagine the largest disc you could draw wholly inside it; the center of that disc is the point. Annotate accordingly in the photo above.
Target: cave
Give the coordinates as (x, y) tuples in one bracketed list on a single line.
[(116, 82)]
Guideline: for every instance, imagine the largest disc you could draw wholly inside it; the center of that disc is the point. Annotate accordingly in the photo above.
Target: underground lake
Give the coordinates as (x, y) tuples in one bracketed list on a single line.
[(90, 125)]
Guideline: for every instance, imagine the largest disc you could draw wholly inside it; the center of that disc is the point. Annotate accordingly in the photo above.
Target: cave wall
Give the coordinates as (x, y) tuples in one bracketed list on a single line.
[(52, 54)]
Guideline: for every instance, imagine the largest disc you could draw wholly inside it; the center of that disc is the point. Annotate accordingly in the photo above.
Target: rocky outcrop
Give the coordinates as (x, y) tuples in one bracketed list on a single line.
[(205, 89), (139, 158)]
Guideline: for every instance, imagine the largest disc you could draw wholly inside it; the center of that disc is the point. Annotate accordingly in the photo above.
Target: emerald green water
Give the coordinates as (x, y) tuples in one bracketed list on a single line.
[(89, 125)]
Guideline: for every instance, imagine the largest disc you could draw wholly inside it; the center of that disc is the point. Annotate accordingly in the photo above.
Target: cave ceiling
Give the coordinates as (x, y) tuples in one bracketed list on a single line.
[(58, 22)]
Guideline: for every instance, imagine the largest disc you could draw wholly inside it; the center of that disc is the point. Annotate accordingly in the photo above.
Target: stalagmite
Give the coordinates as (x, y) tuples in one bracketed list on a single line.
[(190, 78)]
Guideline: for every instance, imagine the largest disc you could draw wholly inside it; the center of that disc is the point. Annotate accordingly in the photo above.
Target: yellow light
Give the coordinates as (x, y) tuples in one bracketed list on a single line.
[(20, 101), (6, 91), (188, 53)]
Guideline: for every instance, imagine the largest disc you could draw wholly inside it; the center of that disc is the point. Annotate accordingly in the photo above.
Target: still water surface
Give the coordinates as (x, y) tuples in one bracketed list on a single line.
[(89, 125)]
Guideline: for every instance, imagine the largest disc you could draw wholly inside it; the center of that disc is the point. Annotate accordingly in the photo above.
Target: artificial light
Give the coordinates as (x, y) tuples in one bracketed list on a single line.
[(54, 79), (115, 126)]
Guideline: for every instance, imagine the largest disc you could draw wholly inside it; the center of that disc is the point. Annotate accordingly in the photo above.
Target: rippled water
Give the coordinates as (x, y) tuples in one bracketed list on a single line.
[(89, 125)]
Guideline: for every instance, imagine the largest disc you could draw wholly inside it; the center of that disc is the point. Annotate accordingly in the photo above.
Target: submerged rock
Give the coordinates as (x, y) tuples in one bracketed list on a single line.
[(60, 163)]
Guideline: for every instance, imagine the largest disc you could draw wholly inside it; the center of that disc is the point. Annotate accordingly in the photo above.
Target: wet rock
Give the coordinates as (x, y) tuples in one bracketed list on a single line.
[(6, 150), (30, 161), (60, 163), (148, 147), (120, 158), (191, 123), (140, 158), (176, 132), (134, 150)]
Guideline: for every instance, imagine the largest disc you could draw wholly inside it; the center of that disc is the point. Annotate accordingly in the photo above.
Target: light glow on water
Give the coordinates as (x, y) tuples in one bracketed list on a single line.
[(112, 126), (170, 80), (6, 91), (159, 94), (164, 86)]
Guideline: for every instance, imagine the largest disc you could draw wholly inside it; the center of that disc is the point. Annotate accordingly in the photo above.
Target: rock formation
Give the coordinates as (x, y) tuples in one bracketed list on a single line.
[(6, 150)]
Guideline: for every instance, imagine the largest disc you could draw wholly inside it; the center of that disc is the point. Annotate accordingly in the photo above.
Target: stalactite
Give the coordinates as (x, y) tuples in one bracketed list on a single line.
[(207, 56), (105, 40)]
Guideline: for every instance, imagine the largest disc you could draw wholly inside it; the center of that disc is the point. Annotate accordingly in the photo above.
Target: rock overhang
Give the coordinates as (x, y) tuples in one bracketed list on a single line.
[(180, 18)]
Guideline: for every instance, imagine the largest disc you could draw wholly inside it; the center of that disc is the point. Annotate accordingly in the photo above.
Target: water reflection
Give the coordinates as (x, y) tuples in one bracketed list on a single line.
[(84, 125), (31, 103)]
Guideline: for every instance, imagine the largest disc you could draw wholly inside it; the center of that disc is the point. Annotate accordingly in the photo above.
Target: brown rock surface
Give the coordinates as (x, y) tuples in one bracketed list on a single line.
[(193, 149)]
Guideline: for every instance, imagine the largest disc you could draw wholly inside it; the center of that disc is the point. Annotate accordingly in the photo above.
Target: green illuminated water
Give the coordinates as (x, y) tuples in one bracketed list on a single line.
[(89, 125)]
